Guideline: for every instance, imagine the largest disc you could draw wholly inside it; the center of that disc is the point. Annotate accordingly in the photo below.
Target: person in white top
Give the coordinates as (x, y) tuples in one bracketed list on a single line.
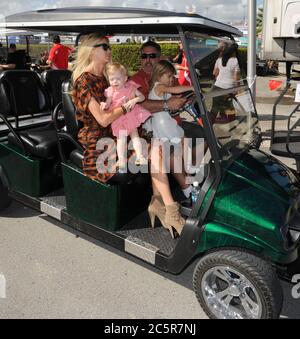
[(227, 69), (227, 74)]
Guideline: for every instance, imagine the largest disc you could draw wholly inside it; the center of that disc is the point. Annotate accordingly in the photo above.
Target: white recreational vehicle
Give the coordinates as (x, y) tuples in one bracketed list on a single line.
[(281, 31)]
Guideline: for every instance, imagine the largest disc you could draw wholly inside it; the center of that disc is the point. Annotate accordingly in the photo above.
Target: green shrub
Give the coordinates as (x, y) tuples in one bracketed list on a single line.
[(243, 61), (129, 54)]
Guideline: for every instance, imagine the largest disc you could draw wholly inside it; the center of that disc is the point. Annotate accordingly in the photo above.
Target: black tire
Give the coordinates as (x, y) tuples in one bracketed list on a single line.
[(5, 200), (266, 290)]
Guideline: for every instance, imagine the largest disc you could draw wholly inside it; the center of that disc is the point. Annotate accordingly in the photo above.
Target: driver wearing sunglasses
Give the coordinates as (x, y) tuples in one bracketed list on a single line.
[(150, 55)]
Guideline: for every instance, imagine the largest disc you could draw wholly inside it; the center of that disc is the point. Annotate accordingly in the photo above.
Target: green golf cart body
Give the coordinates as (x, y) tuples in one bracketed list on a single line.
[(243, 228)]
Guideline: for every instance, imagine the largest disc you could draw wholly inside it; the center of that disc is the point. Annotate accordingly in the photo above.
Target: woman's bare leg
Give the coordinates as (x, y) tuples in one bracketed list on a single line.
[(160, 181), (179, 176)]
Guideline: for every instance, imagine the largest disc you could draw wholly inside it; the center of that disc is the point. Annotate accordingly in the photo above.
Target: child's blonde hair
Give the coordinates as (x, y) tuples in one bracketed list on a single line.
[(115, 67), (160, 69)]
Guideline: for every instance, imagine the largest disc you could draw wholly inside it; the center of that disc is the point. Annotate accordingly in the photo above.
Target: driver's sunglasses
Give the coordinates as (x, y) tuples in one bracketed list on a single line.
[(104, 46), (150, 55)]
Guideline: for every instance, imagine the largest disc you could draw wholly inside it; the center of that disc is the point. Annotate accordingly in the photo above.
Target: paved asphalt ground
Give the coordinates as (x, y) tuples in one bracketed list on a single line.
[(52, 273)]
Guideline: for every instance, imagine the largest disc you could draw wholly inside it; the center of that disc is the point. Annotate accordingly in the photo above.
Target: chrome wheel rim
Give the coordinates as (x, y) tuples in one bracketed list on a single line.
[(230, 295)]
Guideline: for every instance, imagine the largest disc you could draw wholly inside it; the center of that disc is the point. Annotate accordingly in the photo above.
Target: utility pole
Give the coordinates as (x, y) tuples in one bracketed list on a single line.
[(244, 21), (251, 73)]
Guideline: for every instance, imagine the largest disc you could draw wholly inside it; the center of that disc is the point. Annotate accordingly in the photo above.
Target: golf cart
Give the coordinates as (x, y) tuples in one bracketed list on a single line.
[(243, 228)]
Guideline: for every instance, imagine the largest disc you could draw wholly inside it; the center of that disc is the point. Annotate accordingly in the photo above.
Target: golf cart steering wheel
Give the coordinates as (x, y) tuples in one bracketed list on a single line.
[(192, 109)]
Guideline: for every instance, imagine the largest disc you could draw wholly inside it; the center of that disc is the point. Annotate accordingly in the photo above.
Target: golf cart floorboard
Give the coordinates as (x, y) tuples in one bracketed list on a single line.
[(137, 237), (140, 228)]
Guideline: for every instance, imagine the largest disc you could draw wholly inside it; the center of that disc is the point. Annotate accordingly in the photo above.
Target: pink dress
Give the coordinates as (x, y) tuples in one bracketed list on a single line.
[(131, 120)]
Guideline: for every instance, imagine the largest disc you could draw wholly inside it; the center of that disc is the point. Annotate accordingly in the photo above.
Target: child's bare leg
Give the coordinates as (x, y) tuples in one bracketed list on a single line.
[(121, 150), (137, 145)]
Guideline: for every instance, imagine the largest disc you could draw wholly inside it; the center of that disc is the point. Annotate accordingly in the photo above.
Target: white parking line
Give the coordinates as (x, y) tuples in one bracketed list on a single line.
[(2, 286)]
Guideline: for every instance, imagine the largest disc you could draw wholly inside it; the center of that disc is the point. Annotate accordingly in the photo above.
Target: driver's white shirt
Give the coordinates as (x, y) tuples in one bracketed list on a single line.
[(225, 78)]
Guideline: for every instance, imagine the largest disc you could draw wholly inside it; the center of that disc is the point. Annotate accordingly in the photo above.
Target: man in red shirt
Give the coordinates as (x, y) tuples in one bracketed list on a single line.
[(150, 55), (59, 55)]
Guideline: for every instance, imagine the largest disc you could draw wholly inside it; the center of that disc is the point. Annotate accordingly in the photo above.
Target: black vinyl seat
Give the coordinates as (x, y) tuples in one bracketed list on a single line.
[(70, 149), (281, 136), (76, 157), (53, 80), (290, 151), (288, 147), (40, 142), (68, 136), (26, 96), (5, 109)]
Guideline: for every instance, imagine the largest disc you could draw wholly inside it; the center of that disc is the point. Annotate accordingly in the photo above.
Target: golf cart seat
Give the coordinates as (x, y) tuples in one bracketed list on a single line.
[(27, 99), (68, 136), (106, 204), (70, 149), (281, 149), (281, 136), (290, 150), (76, 157), (40, 142), (53, 79), (290, 146)]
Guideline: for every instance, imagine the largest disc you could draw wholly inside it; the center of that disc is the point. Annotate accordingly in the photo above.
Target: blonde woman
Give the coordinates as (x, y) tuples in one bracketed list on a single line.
[(89, 85)]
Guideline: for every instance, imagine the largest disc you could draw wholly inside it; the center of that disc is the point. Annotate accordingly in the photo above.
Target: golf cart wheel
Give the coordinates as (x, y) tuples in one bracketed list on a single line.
[(237, 285), (5, 199)]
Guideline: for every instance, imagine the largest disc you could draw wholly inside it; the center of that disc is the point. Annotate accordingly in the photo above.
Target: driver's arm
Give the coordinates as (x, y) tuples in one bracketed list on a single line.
[(174, 104)]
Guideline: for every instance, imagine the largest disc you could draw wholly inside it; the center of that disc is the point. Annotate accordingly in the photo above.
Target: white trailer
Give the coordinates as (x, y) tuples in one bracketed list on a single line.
[(281, 31)]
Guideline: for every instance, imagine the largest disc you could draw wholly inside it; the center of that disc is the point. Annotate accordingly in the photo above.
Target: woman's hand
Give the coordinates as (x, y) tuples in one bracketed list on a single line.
[(103, 105), (129, 105)]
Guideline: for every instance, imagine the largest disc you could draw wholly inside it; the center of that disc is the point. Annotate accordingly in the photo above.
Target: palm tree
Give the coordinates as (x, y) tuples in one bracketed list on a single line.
[(259, 20)]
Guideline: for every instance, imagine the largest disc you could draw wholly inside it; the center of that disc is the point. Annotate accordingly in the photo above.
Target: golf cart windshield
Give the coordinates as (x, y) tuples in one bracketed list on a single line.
[(227, 97)]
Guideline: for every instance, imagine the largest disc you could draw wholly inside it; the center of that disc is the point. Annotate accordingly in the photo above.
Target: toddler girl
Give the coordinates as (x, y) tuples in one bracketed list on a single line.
[(125, 93)]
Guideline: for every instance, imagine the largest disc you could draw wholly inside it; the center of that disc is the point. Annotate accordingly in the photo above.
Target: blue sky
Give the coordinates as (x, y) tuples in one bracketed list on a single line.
[(222, 10)]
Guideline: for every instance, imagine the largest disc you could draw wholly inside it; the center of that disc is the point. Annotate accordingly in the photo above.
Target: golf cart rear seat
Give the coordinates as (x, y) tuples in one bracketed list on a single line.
[(26, 96), (70, 149), (111, 205), (53, 80), (69, 135), (33, 146), (290, 147)]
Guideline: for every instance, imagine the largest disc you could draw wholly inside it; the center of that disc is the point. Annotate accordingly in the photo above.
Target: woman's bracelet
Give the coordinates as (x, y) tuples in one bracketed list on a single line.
[(124, 109)]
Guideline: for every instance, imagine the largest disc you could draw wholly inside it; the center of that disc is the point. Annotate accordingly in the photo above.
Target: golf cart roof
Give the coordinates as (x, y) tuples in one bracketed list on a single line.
[(115, 20), (15, 32)]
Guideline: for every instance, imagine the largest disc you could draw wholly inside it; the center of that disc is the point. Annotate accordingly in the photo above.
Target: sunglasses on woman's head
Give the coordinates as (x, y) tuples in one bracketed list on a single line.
[(150, 55), (104, 46)]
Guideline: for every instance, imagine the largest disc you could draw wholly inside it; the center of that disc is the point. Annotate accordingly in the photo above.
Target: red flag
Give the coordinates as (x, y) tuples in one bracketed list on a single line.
[(274, 84)]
